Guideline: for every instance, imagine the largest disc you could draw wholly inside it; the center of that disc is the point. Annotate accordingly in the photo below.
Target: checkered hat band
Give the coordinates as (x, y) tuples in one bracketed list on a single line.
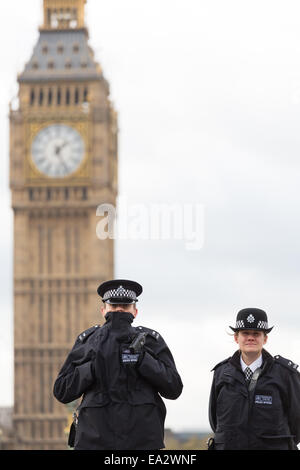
[(119, 292), (261, 324)]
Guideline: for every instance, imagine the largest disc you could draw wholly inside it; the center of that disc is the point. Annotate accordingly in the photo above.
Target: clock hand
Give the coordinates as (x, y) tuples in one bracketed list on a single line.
[(63, 145), (58, 148), (60, 158)]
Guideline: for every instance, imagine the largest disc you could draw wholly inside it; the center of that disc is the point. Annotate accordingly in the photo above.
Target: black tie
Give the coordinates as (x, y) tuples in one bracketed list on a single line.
[(248, 374)]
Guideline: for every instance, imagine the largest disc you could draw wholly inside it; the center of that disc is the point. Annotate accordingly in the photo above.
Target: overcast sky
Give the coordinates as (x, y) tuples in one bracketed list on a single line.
[(208, 96)]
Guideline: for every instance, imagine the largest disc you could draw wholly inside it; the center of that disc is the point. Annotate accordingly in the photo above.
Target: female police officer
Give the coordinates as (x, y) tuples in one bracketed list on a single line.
[(255, 398)]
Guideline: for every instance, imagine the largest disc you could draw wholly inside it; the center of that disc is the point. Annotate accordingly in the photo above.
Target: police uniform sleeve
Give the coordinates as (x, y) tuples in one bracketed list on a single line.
[(294, 405), (157, 366), (212, 407), (76, 374), (212, 411)]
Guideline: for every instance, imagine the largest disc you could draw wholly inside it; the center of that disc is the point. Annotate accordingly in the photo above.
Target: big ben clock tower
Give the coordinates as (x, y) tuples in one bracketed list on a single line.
[(63, 164)]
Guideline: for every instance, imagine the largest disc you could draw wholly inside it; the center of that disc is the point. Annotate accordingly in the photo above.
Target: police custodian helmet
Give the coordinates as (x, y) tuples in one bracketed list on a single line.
[(120, 291)]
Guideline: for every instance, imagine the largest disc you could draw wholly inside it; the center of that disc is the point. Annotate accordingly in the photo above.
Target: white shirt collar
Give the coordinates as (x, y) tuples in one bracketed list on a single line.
[(254, 365)]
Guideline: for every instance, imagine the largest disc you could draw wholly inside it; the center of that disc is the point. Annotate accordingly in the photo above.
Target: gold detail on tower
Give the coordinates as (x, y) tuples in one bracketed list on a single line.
[(63, 14)]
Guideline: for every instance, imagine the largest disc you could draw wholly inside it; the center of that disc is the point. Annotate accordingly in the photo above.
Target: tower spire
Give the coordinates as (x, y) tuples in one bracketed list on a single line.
[(63, 14)]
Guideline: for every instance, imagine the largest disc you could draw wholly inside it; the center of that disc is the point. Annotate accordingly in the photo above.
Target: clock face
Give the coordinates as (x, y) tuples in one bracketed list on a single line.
[(58, 150)]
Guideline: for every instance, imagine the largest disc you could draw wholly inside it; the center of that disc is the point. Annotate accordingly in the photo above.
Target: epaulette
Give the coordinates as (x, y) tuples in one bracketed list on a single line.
[(85, 334), (221, 363), (286, 363), (150, 332)]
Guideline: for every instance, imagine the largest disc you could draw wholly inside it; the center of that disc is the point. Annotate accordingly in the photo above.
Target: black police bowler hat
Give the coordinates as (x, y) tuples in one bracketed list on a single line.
[(252, 319), (120, 291)]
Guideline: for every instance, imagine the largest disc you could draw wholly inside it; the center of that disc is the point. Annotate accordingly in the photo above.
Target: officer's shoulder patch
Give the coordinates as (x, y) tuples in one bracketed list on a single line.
[(150, 332), (221, 363), (85, 334), (286, 363)]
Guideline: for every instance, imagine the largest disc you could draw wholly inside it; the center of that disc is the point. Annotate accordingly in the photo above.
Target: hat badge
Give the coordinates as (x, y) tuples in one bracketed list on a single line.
[(250, 318)]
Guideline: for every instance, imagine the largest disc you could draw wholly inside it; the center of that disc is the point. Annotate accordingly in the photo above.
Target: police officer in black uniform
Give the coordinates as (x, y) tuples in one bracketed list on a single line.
[(255, 397), (122, 371)]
